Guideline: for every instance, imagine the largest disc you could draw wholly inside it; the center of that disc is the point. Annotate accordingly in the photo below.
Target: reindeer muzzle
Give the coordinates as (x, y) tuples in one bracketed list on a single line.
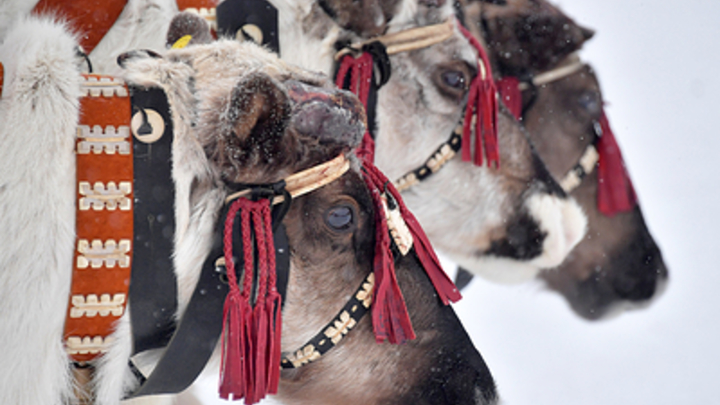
[(328, 114)]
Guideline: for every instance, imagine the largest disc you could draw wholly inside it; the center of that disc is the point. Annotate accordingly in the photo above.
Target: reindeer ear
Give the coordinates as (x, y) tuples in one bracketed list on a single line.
[(258, 109), (188, 24)]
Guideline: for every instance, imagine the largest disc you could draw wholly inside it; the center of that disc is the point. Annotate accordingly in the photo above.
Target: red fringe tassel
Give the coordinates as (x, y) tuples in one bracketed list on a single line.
[(390, 318), (509, 88), (250, 366), (360, 70), (615, 190), (482, 103)]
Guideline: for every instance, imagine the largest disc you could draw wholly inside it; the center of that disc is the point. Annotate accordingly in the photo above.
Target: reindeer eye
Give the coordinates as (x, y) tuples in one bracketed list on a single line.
[(590, 102), (454, 79), (341, 218)]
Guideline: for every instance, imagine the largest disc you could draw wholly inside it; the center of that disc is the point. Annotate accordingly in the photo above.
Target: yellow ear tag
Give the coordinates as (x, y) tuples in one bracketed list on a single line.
[(182, 42)]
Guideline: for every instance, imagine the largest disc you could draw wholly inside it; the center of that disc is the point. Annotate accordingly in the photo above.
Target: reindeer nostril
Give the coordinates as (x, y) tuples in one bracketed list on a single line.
[(328, 121), (309, 121)]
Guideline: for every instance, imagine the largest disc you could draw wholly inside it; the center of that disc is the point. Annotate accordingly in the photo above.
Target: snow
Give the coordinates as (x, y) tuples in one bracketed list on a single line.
[(657, 66)]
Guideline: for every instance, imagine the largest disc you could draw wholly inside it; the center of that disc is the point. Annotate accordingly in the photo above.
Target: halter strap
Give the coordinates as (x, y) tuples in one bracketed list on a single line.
[(574, 64), (443, 154), (306, 181), (335, 330), (585, 165), (406, 40)]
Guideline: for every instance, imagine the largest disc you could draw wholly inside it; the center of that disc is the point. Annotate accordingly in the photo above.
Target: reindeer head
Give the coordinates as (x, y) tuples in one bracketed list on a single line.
[(514, 217), (255, 119), (618, 264)]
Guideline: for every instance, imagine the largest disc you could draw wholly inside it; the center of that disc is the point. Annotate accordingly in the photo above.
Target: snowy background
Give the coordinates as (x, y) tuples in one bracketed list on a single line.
[(658, 66)]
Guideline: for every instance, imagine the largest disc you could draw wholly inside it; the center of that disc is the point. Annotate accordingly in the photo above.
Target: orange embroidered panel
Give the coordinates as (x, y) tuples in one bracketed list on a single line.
[(91, 18), (103, 249), (198, 4)]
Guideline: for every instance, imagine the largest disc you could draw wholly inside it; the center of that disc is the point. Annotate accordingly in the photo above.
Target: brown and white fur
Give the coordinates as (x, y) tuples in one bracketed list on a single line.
[(617, 265), (506, 224), (230, 107)]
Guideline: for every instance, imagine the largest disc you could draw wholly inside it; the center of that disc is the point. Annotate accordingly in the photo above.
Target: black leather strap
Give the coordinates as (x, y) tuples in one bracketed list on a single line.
[(233, 15), (153, 288), (199, 330)]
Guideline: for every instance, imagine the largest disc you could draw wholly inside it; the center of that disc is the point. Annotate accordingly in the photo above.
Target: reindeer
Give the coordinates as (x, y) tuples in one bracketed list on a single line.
[(505, 223), (240, 118), (558, 99)]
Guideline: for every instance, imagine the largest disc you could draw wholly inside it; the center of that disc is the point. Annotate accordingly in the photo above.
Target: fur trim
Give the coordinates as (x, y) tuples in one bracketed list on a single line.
[(39, 113)]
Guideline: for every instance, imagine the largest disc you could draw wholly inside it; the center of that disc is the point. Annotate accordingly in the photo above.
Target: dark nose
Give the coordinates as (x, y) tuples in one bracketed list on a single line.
[(330, 115), (523, 241), (634, 276), (642, 269)]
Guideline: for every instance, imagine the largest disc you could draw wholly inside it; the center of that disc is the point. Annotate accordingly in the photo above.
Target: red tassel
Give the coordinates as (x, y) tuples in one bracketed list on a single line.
[(366, 150), (467, 123), (615, 190), (247, 357), (446, 289), (510, 94), (231, 372), (482, 103), (250, 365), (232, 369), (260, 317), (360, 70), (274, 305), (390, 318), (490, 124)]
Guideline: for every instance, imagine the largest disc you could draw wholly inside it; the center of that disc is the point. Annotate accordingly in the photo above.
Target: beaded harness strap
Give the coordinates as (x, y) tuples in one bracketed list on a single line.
[(335, 330), (442, 155)]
